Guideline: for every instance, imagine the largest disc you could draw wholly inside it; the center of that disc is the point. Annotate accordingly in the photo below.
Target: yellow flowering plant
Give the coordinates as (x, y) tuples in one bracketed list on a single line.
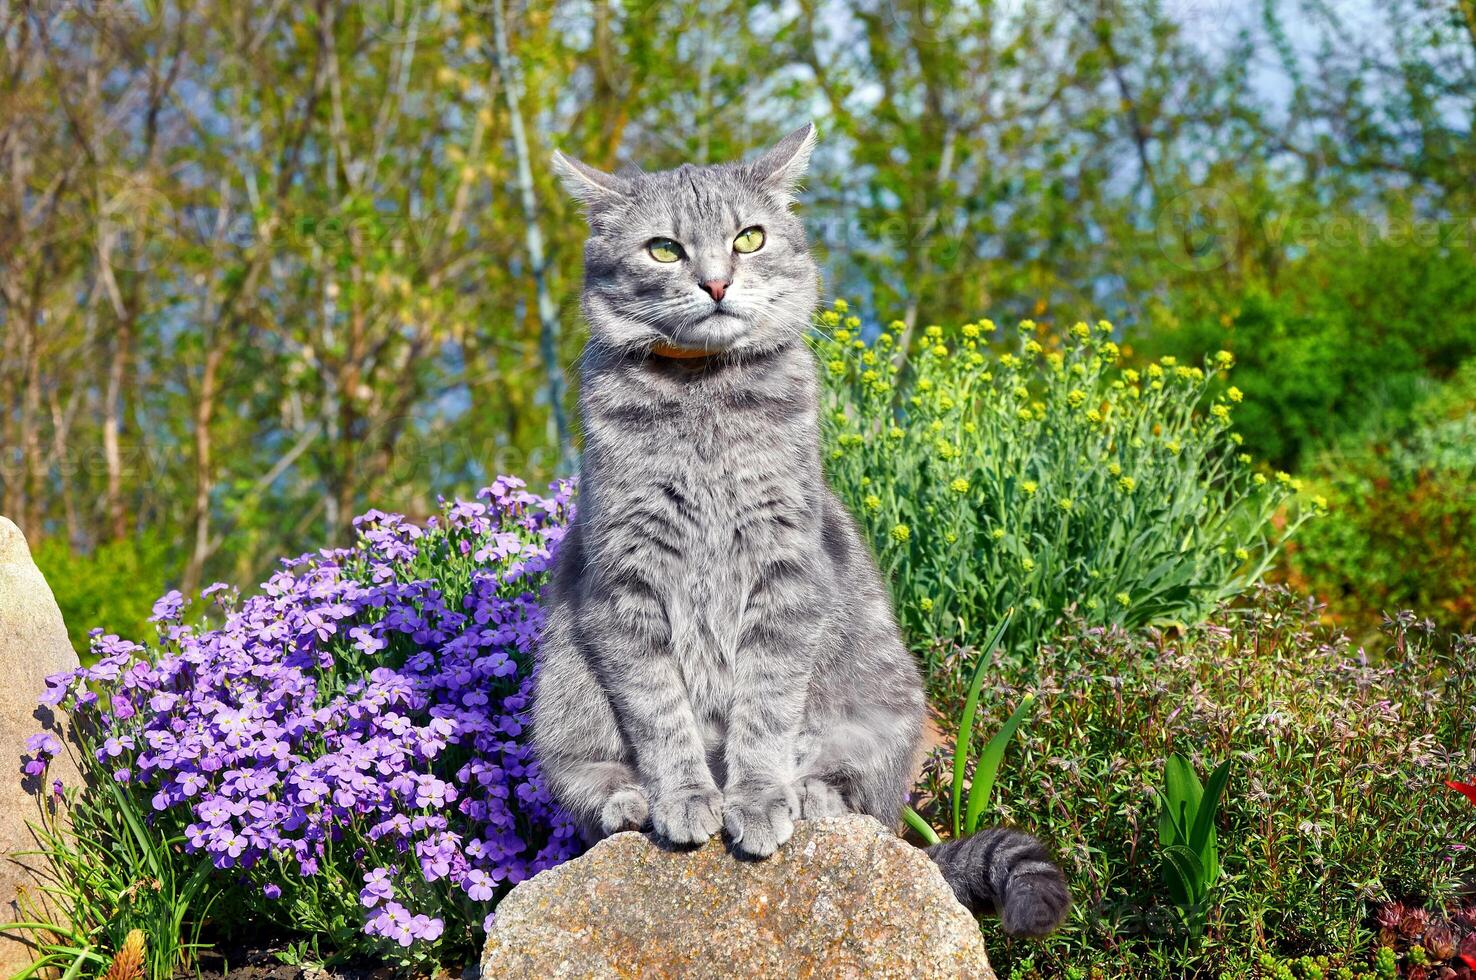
[(1026, 468)]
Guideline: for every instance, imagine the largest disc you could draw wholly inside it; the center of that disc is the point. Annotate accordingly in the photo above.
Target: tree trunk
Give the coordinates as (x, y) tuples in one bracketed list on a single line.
[(548, 314), (117, 515)]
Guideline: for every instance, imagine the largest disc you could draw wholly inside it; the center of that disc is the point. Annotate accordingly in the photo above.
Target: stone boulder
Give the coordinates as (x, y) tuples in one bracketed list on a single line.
[(844, 898), (33, 644)]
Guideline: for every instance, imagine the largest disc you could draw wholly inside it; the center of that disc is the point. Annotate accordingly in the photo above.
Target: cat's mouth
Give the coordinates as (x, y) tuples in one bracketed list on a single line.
[(715, 332)]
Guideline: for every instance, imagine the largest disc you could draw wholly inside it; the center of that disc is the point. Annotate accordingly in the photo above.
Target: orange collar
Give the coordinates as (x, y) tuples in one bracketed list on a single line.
[(679, 353)]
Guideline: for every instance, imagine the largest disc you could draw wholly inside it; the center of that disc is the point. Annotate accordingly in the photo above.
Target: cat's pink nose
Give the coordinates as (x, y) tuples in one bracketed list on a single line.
[(715, 288)]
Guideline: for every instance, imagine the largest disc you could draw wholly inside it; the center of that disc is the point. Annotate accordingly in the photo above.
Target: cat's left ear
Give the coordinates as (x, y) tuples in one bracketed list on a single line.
[(783, 167)]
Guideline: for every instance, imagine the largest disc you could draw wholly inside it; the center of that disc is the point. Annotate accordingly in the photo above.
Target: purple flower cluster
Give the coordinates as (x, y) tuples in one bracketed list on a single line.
[(363, 716)]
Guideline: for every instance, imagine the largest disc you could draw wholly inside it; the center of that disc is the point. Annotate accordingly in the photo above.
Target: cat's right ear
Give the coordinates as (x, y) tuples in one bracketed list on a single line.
[(592, 188)]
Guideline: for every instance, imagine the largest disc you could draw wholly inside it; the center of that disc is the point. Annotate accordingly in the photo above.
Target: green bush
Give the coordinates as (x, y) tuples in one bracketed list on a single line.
[(1334, 801), (1042, 478), (1339, 338), (1401, 529), (115, 584)]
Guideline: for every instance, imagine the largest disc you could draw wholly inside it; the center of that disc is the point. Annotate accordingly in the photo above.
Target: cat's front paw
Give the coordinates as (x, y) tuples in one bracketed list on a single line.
[(626, 809), (760, 819), (689, 815)]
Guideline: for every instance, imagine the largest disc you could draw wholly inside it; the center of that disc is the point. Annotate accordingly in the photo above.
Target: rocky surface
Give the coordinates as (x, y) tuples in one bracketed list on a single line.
[(844, 898), (33, 644)]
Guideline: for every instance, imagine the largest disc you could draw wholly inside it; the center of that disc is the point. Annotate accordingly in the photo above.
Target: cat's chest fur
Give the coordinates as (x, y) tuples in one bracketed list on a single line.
[(706, 482)]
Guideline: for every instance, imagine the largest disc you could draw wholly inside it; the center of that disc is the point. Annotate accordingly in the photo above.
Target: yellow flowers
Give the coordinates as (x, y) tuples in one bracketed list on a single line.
[(1241, 554), (837, 366), (853, 322), (1224, 359), (1244, 459), (830, 318), (1050, 439), (841, 305)]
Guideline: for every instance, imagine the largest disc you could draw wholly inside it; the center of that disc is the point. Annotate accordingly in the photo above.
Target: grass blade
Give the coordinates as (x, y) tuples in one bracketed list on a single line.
[(966, 719), (1202, 836), (924, 830), (145, 843), (988, 766)]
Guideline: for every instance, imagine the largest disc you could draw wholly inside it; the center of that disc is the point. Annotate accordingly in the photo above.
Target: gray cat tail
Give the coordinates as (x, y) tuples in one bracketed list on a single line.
[(1008, 872)]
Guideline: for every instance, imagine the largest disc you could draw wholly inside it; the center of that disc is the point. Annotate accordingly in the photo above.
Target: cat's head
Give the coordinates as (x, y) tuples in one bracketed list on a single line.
[(697, 258)]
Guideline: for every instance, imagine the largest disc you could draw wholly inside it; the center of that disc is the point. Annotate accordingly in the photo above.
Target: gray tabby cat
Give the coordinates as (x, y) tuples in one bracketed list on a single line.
[(720, 651)]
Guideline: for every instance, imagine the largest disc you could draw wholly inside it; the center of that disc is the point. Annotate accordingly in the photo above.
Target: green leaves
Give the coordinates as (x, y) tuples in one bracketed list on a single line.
[(1190, 861), (978, 797), (969, 798)]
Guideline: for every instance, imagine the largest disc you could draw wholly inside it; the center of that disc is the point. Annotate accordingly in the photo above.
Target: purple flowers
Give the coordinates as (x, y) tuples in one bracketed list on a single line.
[(362, 717)]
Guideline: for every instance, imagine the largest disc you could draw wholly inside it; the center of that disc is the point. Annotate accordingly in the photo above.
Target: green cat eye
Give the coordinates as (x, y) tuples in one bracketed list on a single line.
[(664, 250), (749, 240)]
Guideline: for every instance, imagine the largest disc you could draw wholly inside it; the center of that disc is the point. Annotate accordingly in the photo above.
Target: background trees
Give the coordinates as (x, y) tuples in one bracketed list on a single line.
[(264, 264)]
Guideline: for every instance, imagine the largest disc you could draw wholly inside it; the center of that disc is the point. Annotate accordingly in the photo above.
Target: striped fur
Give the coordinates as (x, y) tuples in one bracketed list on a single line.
[(720, 651), (1008, 873)]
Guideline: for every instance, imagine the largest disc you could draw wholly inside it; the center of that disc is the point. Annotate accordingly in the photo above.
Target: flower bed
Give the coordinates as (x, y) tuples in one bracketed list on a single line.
[(347, 748)]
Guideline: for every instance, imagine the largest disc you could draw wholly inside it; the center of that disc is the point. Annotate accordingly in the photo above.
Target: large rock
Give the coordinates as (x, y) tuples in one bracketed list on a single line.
[(844, 898), (33, 644)]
